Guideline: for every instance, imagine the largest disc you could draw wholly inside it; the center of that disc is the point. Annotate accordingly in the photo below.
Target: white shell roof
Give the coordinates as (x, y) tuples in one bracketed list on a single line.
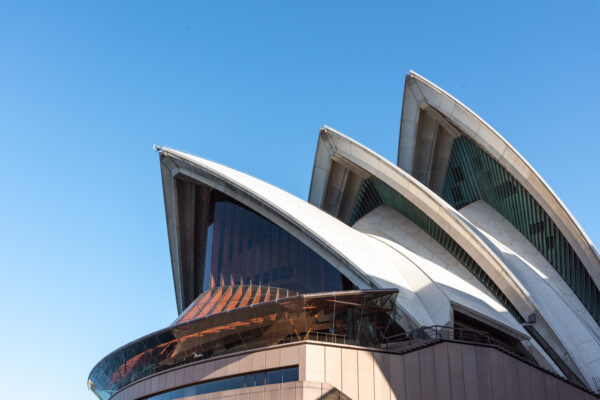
[(364, 260), (332, 142), (419, 91), (456, 283), (368, 260), (335, 144), (577, 330)]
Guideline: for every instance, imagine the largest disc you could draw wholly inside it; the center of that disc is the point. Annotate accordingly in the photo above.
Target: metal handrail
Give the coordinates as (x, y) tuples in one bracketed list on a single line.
[(320, 337), (436, 332), (424, 334)]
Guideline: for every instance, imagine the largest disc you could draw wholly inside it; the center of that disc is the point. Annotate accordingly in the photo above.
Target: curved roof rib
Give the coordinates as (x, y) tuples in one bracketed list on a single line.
[(367, 259), (330, 189), (460, 289), (427, 109), (367, 262), (333, 145)]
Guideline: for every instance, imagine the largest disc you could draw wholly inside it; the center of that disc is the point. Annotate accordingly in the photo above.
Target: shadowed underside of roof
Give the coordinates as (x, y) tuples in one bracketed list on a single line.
[(363, 260), (350, 180), (456, 154)]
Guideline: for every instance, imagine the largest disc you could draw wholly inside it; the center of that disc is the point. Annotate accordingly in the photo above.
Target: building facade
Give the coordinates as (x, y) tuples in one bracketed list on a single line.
[(456, 273)]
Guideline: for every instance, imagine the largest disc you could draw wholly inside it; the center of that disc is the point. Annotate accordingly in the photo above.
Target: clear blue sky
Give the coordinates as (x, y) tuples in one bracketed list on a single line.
[(86, 89)]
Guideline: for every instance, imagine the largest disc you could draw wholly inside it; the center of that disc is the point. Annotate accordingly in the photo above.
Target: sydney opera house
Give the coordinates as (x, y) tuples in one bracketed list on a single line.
[(454, 273)]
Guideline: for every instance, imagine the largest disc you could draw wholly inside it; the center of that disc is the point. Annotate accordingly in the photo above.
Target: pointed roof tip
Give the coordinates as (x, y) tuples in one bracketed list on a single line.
[(329, 130), (326, 130), (164, 150), (414, 74)]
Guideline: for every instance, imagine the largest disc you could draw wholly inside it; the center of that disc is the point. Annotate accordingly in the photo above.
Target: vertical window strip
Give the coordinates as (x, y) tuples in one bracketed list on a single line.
[(521, 210), (386, 195)]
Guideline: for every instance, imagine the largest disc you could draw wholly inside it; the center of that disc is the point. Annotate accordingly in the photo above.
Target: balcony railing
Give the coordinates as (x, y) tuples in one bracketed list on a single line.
[(443, 333), (406, 340)]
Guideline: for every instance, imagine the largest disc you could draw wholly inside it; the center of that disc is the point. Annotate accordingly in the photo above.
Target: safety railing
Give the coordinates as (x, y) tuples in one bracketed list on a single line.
[(440, 332), (405, 339), (321, 337)]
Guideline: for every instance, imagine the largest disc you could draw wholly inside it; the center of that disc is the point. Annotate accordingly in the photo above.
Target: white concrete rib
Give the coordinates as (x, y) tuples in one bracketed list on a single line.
[(509, 280), (369, 259), (420, 91), (367, 262), (566, 315)]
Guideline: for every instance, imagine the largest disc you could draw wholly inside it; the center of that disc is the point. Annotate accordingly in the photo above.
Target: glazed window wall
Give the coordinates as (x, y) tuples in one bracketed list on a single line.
[(243, 248), (474, 175), (362, 318), (269, 377)]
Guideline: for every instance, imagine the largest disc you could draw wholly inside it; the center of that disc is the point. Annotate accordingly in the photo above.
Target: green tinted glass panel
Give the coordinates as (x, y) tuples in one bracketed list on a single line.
[(373, 193), (474, 175)]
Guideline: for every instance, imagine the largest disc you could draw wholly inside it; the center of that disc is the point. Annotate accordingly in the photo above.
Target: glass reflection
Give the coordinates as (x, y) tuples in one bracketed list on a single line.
[(280, 375), (245, 248), (363, 318)]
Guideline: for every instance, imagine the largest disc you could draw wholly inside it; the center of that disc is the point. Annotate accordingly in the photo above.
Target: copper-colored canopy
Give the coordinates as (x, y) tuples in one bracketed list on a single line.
[(230, 319)]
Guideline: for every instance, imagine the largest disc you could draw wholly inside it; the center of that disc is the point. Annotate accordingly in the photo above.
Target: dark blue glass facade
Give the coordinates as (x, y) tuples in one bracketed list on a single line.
[(270, 377), (244, 248)]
